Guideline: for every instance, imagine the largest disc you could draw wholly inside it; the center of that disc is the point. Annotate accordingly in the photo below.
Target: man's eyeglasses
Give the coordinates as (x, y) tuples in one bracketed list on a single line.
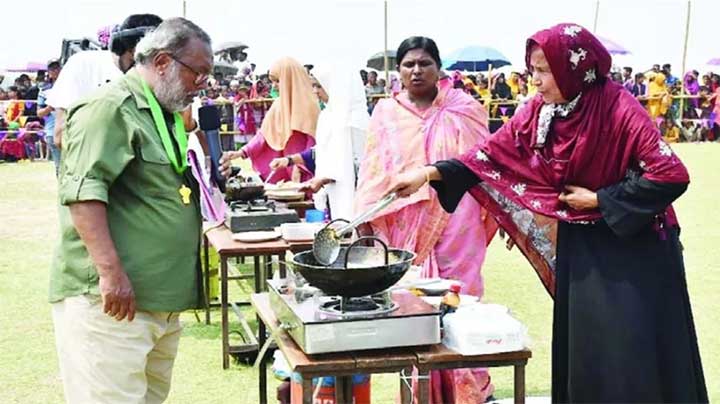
[(199, 77)]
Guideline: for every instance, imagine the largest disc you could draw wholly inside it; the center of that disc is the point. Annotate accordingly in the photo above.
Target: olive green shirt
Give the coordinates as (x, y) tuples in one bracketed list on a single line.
[(112, 153)]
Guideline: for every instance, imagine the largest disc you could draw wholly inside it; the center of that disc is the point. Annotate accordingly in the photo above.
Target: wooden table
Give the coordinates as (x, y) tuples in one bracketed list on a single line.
[(262, 253), (301, 207), (345, 364)]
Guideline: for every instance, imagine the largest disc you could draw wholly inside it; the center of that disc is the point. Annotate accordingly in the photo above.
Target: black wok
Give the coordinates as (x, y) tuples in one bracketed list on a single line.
[(243, 190), (359, 271)]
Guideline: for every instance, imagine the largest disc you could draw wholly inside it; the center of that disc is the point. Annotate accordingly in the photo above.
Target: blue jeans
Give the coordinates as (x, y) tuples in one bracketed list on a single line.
[(54, 153)]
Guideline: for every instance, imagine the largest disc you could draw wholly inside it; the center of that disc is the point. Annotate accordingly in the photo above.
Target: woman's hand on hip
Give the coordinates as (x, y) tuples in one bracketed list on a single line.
[(579, 198)]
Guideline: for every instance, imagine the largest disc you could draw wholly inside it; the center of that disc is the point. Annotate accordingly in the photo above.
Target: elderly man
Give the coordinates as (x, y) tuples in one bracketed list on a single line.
[(128, 260)]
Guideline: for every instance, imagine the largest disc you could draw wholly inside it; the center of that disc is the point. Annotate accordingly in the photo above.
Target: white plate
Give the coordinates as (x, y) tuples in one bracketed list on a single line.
[(284, 186), (256, 236), (285, 195)]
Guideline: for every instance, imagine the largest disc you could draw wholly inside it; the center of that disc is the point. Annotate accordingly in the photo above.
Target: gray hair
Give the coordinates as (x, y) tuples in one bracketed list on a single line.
[(171, 36)]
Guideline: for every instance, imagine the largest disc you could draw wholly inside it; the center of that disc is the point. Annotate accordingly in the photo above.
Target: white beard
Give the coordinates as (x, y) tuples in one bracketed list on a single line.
[(170, 91)]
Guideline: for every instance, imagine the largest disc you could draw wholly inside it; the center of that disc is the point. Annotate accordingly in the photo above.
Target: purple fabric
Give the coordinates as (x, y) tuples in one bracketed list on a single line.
[(692, 87), (210, 212), (629, 84), (308, 157)]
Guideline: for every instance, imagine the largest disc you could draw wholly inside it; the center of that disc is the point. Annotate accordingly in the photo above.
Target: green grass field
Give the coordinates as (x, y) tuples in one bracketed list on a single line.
[(28, 233)]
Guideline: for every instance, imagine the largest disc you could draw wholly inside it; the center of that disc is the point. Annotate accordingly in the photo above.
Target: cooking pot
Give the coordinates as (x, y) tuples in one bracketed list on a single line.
[(358, 271), (242, 189)]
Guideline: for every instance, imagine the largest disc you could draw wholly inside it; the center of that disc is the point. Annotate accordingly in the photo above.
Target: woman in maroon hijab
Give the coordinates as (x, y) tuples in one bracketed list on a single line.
[(583, 183)]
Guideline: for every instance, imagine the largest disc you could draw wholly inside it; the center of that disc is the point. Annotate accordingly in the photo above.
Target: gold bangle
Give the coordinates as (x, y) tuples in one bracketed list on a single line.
[(427, 175)]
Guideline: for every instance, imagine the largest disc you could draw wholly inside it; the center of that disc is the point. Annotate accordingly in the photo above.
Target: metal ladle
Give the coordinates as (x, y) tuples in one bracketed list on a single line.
[(326, 245)]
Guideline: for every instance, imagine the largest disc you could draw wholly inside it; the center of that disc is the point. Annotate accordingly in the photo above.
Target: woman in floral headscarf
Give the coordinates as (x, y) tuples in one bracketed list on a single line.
[(583, 183)]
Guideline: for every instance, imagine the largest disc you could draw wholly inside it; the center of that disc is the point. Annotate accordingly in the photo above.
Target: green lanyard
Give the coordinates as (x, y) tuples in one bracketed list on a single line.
[(180, 135)]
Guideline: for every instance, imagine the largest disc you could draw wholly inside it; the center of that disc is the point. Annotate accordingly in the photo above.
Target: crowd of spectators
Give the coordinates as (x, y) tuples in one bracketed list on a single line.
[(244, 98)]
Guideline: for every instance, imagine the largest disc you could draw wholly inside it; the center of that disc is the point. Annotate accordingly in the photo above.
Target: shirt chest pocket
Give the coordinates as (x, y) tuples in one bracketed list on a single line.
[(153, 154), (156, 175)]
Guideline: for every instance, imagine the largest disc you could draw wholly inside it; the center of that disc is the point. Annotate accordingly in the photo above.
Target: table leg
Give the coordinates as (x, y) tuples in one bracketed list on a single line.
[(520, 384), (423, 383), (307, 390), (262, 369), (281, 266), (206, 251), (257, 269), (224, 311), (343, 390), (268, 271), (406, 386)]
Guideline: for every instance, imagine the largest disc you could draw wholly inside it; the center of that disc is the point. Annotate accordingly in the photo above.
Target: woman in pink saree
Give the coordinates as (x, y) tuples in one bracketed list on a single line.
[(289, 126), (427, 121)]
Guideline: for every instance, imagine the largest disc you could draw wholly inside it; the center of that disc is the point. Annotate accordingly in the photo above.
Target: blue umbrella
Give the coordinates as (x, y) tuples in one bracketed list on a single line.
[(613, 47), (475, 59)]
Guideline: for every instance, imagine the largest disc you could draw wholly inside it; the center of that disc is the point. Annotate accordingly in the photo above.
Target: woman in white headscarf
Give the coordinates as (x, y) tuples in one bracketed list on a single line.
[(340, 137)]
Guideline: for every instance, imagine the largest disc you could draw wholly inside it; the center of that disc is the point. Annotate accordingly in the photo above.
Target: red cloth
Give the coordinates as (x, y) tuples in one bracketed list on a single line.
[(12, 147), (607, 133)]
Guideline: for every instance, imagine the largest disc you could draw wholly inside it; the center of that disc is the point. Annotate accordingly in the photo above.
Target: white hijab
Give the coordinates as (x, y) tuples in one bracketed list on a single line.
[(340, 137)]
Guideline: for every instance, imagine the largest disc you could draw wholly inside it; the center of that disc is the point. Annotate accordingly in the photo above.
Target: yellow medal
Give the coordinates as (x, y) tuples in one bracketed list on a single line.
[(185, 194)]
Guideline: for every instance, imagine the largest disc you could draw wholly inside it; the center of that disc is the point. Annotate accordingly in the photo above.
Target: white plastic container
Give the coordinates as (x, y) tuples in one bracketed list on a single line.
[(481, 329), (299, 231)]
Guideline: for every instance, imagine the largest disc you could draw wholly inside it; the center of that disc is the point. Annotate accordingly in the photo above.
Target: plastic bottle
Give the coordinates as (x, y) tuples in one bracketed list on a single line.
[(450, 300)]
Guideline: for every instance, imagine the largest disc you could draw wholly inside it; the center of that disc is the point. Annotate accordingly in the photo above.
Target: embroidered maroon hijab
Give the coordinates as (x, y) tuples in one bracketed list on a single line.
[(592, 142)]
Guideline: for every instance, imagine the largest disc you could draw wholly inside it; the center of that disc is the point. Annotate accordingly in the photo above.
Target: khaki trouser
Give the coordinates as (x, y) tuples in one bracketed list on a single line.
[(107, 361)]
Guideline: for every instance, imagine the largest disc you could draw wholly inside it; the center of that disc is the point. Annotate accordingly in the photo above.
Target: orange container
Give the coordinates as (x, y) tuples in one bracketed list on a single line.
[(326, 394)]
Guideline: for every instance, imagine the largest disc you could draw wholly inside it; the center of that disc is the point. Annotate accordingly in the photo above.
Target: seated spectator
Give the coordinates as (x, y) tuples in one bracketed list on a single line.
[(691, 132), (483, 89), (14, 109), (501, 90), (12, 149), (523, 97), (3, 97), (670, 131)]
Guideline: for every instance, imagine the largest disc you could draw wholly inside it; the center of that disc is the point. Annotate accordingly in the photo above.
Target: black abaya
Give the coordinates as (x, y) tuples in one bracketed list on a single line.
[(623, 330)]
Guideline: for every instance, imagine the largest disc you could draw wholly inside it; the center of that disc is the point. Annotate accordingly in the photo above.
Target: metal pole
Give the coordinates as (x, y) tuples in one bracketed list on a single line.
[(597, 12), (684, 59), (385, 53), (184, 8)]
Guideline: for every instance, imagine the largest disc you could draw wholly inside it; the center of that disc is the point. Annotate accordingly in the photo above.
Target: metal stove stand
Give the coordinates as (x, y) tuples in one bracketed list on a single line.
[(343, 365)]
